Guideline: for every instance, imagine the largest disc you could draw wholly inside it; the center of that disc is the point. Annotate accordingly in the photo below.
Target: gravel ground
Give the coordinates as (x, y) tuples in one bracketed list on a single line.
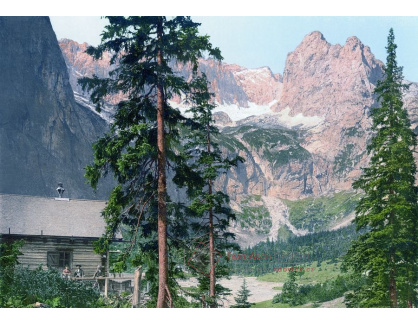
[(260, 290)]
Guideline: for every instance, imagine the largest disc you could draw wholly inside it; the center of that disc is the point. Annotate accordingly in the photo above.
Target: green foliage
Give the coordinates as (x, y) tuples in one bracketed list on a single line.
[(9, 253), (242, 297), (284, 233), (116, 301), (254, 215), (388, 211), (294, 294), (230, 143), (318, 273), (277, 146), (315, 247), (48, 287), (317, 214), (129, 151), (290, 292), (209, 207), (270, 304)]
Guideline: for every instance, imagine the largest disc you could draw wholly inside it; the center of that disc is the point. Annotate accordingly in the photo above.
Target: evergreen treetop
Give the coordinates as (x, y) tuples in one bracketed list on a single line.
[(387, 252)]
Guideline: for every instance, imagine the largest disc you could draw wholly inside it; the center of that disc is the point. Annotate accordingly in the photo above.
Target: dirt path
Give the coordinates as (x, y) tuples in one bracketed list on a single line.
[(260, 290)]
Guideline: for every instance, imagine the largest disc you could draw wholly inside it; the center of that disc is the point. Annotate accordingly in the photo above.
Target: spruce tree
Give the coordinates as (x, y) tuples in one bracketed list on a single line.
[(290, 289), (387, 252), (210, 206), (242, 297), (141, 143)]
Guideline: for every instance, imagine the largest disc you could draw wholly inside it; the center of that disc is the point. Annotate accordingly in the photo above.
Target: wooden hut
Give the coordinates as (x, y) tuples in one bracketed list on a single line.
[(58, 232)]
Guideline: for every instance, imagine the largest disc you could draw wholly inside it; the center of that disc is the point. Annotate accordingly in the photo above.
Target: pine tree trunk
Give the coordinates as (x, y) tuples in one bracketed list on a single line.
[(162, 188), (392, 287), (392, 278), (212, 278)]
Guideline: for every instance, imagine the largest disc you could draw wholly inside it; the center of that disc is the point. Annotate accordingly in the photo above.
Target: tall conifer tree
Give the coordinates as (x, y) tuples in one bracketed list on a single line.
[(387, 253), (210, 206), (145, 129)]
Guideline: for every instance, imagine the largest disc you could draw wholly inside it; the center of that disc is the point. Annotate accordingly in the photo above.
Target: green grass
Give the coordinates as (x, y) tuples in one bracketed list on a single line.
[(187, 275), (317, 214), (269, 304), (190, 289), (320, 274)]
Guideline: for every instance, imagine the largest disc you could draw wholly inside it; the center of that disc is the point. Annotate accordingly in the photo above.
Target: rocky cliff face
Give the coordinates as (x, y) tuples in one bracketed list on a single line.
[(334, 83), (45, 135), (261, 85)]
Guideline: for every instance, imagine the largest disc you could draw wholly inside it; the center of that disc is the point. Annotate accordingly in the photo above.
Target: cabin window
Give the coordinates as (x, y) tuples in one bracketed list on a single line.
[(59, 259)]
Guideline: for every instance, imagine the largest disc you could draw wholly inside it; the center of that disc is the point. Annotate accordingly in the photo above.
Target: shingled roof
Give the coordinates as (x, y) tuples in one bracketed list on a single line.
[(29, 215)]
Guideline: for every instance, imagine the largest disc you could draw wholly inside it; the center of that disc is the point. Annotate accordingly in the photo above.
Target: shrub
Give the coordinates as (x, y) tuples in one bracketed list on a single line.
[(48, 287)]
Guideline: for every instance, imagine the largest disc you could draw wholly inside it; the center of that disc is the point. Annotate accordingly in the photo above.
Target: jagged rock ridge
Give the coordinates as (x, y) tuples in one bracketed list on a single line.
[(231, 84)]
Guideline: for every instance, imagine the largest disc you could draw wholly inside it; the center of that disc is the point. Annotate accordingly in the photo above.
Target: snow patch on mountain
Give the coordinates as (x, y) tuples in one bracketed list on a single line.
[(106, 113), (298, 120), (236, 112)]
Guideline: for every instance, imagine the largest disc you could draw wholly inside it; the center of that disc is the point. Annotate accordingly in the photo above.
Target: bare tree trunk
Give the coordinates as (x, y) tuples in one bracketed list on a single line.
[(162, 186), (212, 278), (136, 298)]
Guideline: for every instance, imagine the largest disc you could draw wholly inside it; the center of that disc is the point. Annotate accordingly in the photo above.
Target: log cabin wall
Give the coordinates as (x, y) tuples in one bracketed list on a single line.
[(57, 252)]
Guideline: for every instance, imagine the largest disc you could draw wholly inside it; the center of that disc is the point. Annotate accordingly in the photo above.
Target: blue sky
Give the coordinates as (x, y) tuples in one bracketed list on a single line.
[(265, 41)]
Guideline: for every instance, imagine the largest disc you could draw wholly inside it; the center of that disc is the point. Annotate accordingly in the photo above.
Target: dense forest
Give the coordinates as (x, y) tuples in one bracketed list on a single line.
[(293, 252)]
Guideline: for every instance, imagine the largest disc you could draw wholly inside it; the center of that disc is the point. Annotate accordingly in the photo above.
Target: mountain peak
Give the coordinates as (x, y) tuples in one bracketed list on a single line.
[(315, 36), (313, 81), (353, 42)]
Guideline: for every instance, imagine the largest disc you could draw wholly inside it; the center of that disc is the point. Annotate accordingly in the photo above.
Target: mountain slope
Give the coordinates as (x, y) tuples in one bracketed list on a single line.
[(45, 135)]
